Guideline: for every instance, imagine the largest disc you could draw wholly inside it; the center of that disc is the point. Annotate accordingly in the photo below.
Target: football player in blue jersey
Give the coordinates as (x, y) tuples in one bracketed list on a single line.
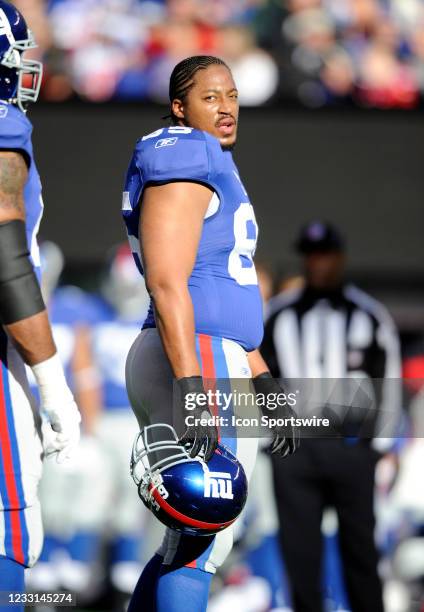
[(25, 333), (193, 233)]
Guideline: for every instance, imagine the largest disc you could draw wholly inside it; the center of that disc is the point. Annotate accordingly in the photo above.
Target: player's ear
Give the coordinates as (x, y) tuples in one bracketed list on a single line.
[(178, 108)]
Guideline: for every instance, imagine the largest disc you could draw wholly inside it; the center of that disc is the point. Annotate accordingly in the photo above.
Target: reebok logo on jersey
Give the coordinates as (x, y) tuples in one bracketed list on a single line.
[(165, 142), (3, 111)]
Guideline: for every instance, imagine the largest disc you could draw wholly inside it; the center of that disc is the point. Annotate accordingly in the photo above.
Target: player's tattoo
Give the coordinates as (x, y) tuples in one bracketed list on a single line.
[(13, 175)]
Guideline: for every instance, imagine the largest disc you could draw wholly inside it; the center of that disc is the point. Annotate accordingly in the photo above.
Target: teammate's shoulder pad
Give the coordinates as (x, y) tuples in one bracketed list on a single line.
[(15, 128), (74, 306)]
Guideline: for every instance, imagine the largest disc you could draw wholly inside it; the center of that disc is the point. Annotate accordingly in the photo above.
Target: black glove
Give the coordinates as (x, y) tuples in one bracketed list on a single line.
[(197, 436), (286, 438)]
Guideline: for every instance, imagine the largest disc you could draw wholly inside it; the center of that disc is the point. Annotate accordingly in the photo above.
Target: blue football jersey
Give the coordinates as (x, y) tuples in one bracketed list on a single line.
[(223, 284), (15, 134)]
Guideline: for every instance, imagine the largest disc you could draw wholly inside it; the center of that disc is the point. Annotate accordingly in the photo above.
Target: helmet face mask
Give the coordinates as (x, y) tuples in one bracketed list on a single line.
[(187, 494), (143, 469), (14, 70)]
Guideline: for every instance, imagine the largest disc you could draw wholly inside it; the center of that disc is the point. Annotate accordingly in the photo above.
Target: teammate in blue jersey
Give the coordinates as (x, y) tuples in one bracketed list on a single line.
[(193, 234), (25, 334), (122, 305)]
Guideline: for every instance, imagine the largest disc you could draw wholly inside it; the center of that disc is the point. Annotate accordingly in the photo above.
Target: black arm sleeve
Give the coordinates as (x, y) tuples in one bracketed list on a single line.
[(20, 295)]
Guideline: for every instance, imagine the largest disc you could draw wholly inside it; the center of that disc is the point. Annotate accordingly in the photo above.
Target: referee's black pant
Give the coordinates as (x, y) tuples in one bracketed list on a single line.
[(328, 473)]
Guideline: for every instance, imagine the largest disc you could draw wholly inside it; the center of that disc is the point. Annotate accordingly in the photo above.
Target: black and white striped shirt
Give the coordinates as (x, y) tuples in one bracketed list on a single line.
[(332, 335)]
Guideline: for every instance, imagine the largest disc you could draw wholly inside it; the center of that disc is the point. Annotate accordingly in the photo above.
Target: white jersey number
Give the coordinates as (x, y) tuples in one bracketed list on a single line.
[(176, 129), (240, 262)]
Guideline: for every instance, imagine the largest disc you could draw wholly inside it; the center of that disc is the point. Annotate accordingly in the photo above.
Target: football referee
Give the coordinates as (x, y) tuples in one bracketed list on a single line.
[(330, 329)]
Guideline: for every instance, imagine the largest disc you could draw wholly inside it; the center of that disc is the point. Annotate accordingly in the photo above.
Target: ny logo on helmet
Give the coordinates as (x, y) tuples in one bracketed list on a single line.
[(218, 485)]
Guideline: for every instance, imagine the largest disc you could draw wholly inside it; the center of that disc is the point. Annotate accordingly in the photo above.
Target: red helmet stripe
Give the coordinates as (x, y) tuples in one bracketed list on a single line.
[(191, 522)]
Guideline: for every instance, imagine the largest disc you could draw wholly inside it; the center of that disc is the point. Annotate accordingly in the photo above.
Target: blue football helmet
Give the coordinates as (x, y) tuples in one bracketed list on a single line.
[(15, 39), (187, 494)]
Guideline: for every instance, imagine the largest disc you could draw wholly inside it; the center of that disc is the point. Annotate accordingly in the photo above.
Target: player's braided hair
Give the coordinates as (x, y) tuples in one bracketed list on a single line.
[(182, 77)]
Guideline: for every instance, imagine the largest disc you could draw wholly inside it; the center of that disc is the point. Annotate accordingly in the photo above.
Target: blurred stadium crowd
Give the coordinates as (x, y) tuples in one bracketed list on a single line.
[(317, 52)]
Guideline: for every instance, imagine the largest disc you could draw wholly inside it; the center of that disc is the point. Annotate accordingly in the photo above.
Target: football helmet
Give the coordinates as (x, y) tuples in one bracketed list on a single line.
[(187, 494), (15, 72)]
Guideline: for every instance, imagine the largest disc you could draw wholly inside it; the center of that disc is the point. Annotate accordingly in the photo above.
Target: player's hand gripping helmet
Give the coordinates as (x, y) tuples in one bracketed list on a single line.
[(183, 493), (20, 80)]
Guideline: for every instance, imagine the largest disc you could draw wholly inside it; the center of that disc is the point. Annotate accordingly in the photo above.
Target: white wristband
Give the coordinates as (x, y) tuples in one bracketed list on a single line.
[(49, 372)]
